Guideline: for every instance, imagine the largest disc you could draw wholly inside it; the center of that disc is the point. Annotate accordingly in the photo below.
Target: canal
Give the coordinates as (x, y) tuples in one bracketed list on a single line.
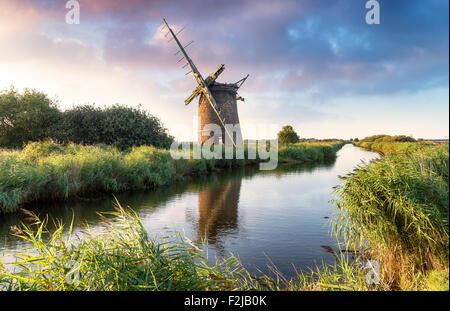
[(277, 217)]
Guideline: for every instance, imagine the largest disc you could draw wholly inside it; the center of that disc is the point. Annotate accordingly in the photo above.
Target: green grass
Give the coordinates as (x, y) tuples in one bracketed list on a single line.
[(398, 145), (121, 256), (397, 207), (51, 171), (397, 148), (308, 152), (393, 210)]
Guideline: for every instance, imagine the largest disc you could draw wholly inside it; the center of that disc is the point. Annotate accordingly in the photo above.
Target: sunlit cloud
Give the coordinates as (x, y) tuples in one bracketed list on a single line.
[(309, 61)]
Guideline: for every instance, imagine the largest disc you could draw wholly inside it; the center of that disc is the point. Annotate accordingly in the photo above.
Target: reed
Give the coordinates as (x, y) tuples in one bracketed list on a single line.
[(309, 152), (397, 207), (51, 171), (120, 256)]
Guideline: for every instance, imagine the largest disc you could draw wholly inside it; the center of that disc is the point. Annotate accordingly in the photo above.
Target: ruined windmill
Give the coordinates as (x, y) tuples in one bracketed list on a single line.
[(217, 101)]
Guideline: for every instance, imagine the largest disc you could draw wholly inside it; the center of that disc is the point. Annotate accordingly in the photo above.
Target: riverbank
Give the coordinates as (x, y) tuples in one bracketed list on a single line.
[(397, 148), (397, 209), (401, 267), (122, 256), (50, 171)]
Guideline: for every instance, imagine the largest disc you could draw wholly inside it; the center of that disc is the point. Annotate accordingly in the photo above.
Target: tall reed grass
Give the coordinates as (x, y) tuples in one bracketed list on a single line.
[(397, 148), (51, 171), (309, 152), (398, 208), (122, 256)]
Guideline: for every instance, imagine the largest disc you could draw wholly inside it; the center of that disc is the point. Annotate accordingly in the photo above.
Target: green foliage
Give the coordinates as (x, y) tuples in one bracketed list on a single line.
[(399, 145), (388, 138), (120, 257), (25, 117), (81, 125), (398, 206), (49, 170), (31, 116), (120, 126), (309, 152), (437, 280), (124, 127), (287, 135)]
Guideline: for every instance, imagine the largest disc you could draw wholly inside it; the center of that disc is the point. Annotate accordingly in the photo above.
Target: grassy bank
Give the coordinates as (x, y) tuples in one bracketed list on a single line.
[(50, 171), (397, 145), (308, 152), (396, 148), (397, 208), (121, 256)]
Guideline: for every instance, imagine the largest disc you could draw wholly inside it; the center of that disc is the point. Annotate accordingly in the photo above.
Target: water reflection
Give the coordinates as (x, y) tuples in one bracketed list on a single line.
[(257, 215), (218, 210)]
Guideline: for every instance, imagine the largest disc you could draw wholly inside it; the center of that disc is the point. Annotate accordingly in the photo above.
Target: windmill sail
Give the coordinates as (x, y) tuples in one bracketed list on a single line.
[(203, 86), (209, 80)]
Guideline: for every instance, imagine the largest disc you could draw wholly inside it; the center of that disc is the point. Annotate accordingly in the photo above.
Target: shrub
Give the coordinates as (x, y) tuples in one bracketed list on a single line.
[(287, 135), (25, 117), (81, 125), (124, 127), (119, 126), (32, 116)]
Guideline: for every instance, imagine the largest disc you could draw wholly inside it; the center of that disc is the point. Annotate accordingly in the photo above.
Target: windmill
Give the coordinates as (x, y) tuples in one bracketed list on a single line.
[(217, 101)]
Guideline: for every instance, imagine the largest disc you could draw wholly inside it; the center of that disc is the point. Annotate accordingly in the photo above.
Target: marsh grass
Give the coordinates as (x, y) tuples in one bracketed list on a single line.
[(396, 148), (309, 152), (122, 256), (398, 206), (51, 171)]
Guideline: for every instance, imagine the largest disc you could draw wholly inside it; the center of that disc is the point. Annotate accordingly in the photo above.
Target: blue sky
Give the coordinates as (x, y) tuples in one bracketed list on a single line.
[(314, 64)]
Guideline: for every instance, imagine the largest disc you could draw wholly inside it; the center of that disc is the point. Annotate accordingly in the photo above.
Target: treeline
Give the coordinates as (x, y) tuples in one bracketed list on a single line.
[(399, 144), (32, 116), (387, 138)]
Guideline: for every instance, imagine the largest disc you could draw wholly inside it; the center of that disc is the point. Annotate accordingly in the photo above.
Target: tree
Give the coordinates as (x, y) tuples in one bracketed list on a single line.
[(117, 125), (31, 116), (124, 127), (287, 135), (25, 117), (81, 125)]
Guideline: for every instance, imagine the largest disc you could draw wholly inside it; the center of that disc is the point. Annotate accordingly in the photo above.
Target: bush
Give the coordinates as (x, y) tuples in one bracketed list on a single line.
[(81, 125), (119, 126), (287, 135), (32, 116), (124, 127), (387, 138), (25, 117)]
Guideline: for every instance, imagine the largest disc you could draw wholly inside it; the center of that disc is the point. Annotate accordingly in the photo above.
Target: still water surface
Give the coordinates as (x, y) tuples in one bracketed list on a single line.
[(275, 217)]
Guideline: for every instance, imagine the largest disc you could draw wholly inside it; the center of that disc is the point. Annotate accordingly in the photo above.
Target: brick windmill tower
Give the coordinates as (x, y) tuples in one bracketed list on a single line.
[(217, 101)]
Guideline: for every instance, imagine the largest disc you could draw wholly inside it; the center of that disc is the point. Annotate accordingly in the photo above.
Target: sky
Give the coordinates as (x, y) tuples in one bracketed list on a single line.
[(314, 64)]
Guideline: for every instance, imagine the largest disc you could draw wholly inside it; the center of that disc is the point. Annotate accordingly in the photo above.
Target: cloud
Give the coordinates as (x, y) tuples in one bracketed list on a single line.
[(311, 51)]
